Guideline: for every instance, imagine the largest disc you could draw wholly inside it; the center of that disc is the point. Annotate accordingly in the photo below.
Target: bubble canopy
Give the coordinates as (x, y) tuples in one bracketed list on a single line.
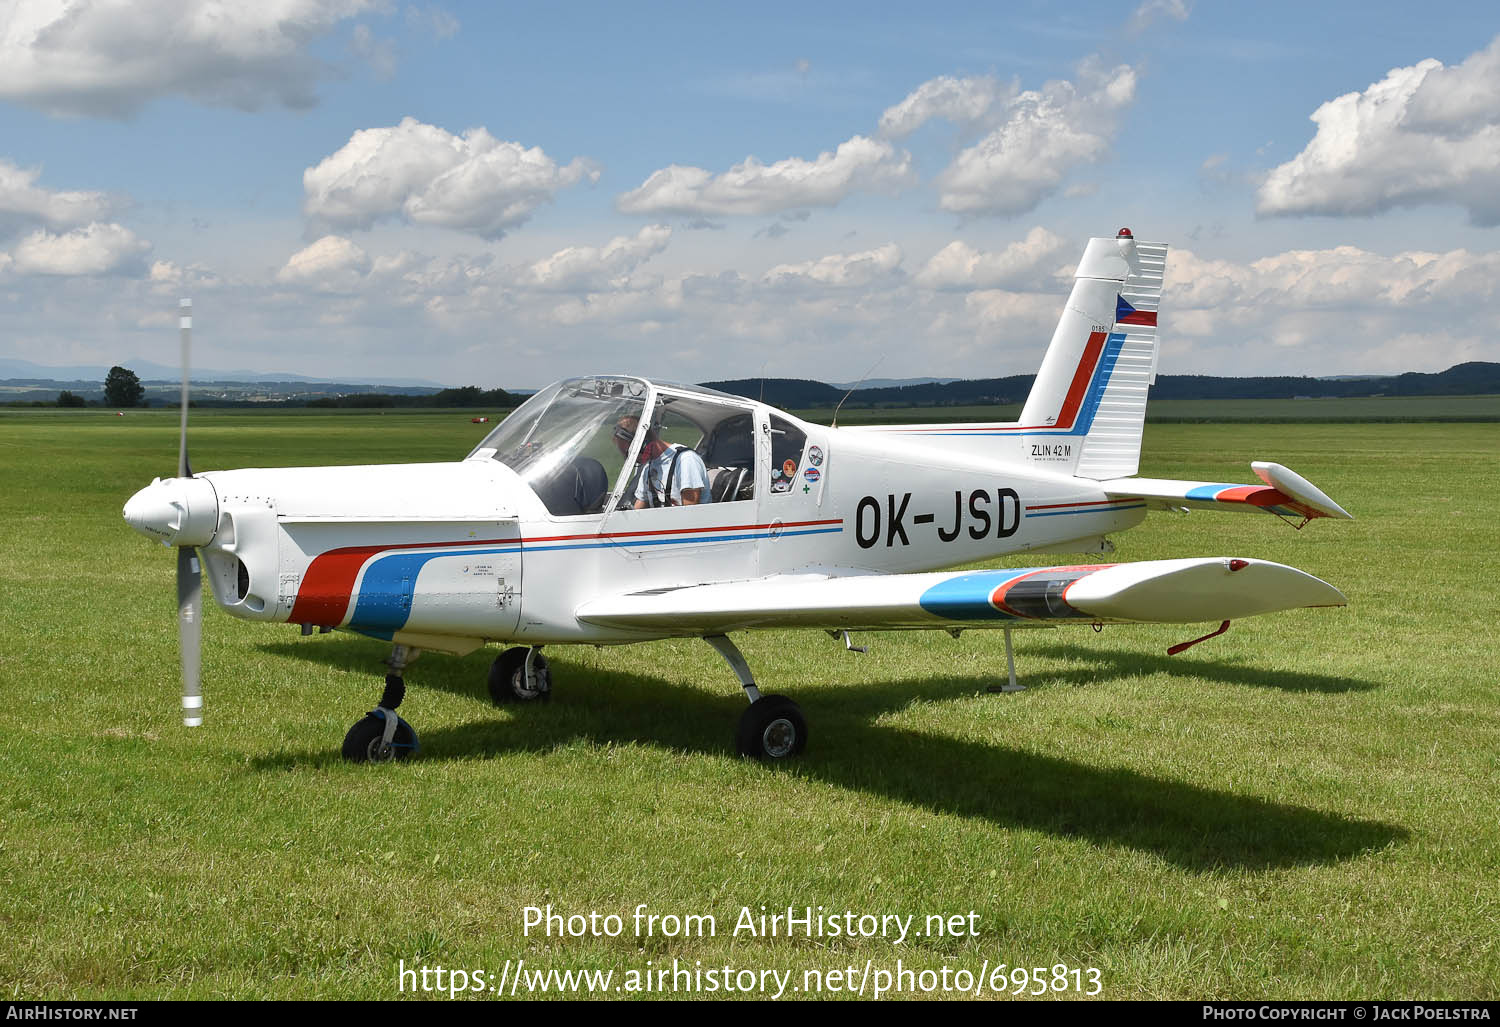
[(561, 440)]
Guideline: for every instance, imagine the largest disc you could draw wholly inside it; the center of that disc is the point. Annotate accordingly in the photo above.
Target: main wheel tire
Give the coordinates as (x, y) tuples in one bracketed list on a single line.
[(772, 729), (508, 677), (363, 742)]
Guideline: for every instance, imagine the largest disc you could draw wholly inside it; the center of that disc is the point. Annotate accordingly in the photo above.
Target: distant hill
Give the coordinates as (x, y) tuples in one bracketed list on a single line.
[(1475, 378), (891, 383), (13, 370)]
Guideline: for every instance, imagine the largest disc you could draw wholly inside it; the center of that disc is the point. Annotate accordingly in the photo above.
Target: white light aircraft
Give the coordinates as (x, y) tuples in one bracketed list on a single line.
[(575, 522)]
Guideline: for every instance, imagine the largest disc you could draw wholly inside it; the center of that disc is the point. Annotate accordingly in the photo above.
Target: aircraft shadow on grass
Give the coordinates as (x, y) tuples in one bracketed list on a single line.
[(1120, 663), (1191, 826)]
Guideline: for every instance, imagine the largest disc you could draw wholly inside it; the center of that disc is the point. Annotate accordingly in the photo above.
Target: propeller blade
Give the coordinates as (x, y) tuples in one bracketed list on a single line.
[(185, 322), (189, 574), (190, 633)]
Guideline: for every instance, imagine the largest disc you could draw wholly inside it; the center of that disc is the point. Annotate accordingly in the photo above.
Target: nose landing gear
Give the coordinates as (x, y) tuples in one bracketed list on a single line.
[(380, 736)]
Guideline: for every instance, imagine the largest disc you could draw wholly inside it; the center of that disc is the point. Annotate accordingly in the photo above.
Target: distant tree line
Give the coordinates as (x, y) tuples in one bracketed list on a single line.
[(122, 388), (1476, 378), (467, 396)]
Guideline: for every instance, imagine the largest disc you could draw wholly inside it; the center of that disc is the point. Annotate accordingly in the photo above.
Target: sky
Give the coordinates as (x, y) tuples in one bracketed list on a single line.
[(505, 194)]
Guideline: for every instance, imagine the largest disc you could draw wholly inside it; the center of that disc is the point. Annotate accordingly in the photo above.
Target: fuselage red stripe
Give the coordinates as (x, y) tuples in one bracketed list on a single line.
[(328, 585), (1081, 378), (681, 531), (1091, 502)]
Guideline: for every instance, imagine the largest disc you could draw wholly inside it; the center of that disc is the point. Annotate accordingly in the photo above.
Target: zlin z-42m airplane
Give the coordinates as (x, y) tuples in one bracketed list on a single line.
[(615, 509)]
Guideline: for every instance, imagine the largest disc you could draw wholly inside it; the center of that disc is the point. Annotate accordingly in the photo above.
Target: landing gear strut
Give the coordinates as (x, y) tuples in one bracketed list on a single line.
[(773, 728), (380, 736), (520, 674), (1010, 666)]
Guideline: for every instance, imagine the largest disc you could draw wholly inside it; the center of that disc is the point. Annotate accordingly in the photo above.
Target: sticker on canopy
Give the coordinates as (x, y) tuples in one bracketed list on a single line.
[(789, 467), (815, 456), (811, 474)]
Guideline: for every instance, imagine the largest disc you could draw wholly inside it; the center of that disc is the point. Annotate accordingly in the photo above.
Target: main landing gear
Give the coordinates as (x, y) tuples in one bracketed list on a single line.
[(520, 674), (773, 728), (380, 736)]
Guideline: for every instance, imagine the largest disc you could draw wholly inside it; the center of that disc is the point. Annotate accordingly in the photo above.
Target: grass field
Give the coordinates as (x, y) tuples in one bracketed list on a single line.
[(1302, 808)]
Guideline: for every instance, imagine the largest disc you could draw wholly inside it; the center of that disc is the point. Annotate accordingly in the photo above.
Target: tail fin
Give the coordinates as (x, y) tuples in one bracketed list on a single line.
[(1087, 407), (1102, 359)]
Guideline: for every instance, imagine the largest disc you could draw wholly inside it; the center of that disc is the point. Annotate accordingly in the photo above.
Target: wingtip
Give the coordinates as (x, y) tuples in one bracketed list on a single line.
[(1292, 484)]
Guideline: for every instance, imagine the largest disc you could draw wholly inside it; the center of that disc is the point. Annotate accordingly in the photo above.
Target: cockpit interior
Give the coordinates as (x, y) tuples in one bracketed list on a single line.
[(581, 443)]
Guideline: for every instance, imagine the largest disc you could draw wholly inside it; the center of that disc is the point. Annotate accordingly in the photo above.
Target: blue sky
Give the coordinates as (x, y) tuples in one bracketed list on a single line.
[(506, 194)]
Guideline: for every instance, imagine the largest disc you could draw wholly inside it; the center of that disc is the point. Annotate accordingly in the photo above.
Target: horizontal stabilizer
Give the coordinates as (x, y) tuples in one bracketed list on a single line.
[(1285, 493), (1153, 591)]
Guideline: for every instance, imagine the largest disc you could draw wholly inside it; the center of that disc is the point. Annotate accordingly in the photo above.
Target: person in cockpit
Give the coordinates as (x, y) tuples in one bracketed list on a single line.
[(670, 475)]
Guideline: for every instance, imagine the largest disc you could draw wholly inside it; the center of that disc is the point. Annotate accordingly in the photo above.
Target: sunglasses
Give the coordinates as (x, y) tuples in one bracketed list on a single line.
[(624, 434)]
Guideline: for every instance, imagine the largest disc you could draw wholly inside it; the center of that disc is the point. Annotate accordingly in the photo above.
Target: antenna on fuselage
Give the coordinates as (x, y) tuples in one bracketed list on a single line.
[(856, 385)]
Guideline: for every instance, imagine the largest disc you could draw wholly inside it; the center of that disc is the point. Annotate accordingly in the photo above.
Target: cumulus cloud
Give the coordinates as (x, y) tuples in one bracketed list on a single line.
[(110, 57), (1423, 134), (1028, 263), (332, 263), (1339, 278), (1154, 10), (839, 270), (963, 101), (592, 268), (98, 249), (1329, 311), (755, 188), (23, 203), (168, 278), (967, 311), (1033, 139), (425, 176), (1042, 136), (1007, 314)]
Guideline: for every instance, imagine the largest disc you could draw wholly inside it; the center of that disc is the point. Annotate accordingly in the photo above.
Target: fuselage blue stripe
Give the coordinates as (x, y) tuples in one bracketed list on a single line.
[(628, 542), (389, 582)]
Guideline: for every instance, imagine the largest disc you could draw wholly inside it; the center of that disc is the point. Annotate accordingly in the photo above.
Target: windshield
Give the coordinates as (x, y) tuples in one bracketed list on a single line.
[(561, 441)]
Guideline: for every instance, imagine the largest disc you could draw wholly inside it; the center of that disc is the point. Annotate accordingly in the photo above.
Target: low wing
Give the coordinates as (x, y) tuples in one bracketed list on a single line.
[(1285, 493), (1152, 591)]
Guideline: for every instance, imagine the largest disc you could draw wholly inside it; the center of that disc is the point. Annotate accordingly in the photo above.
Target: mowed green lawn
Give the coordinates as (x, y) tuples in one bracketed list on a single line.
[(1305, 807)]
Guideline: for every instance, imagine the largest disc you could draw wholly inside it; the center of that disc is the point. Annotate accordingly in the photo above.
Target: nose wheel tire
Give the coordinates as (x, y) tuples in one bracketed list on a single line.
[(771, 729), (508, 677), (365, 742)]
